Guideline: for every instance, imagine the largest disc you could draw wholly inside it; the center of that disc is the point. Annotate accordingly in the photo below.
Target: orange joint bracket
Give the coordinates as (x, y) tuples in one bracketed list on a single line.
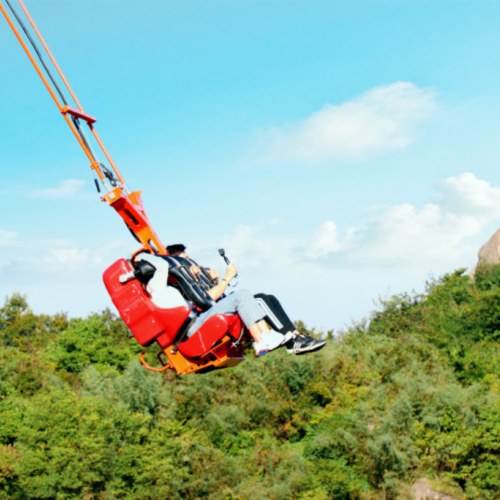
[(113, 196), (130, 209), (78, 114)]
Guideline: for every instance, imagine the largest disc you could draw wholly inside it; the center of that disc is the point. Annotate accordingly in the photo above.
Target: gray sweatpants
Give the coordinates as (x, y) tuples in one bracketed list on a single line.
[(241, 302)]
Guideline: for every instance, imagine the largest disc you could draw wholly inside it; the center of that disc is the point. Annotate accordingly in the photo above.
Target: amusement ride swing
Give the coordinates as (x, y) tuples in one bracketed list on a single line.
[(221, 341)]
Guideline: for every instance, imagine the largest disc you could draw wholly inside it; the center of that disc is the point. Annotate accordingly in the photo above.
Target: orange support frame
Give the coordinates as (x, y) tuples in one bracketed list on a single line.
[(224, 355), (128, 205)]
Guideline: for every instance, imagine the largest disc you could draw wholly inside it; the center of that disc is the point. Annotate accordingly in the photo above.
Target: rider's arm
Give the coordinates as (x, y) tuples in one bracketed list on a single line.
[(217, 291)]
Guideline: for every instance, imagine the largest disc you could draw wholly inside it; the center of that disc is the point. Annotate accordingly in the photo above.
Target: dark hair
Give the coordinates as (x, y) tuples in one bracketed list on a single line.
[(176, 250)]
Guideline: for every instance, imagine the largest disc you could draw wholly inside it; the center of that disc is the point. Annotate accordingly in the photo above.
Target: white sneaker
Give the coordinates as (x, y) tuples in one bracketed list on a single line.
[(268, 342)]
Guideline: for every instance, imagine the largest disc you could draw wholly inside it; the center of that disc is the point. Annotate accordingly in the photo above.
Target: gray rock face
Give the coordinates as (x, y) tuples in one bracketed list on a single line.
[(489, 253), (422, 490)]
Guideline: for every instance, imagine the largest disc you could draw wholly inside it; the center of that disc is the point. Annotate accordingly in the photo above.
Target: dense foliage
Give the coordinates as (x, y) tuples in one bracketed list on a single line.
[(413, 392)]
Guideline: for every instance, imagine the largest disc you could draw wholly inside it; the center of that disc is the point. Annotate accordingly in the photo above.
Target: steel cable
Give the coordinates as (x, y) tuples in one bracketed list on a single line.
[(37, 52)]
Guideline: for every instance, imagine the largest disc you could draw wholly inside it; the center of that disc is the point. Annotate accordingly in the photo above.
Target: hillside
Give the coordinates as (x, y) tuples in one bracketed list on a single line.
[(413, 392)]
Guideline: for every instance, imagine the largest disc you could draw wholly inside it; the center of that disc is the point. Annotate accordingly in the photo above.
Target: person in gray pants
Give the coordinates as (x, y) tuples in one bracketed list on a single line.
[(275, 315)]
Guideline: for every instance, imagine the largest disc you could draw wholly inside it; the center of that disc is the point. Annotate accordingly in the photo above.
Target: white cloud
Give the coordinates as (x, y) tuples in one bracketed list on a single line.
[(384, 118), (439, 232), (466, 194), (326, 240), (7, 238), (444, 234), (244, 245), (56, 260), (66, 188), (406, 235), (73, 257)]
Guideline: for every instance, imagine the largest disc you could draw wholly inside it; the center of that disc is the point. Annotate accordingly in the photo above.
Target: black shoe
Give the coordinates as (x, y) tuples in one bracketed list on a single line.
[(301, 344)]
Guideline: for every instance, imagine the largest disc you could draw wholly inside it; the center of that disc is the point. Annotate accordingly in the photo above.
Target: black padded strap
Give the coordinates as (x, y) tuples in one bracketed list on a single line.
[(206, 278), (182, 333), (180, 276)]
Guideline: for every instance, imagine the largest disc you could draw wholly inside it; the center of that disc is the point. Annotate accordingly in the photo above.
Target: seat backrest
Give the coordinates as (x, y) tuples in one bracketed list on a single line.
[(145, 320)]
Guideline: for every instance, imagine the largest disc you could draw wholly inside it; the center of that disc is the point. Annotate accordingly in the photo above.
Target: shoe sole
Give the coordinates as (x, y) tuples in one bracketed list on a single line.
[(313, 348)]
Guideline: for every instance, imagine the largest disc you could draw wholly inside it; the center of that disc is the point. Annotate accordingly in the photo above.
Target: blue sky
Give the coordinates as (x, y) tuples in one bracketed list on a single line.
[(340, 151)]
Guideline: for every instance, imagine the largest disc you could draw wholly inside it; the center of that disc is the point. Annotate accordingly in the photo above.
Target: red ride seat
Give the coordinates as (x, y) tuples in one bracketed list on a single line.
[(149, 322), (146, 321)]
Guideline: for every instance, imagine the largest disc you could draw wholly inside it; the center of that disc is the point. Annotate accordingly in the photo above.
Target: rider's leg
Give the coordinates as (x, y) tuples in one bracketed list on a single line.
[(258, 329), (241, 302), (279, 321), (275, 314)]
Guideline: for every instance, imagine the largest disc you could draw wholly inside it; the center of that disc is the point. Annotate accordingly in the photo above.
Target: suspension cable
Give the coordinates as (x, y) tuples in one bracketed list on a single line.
[(52, 58), (19, 20), (75, 121)]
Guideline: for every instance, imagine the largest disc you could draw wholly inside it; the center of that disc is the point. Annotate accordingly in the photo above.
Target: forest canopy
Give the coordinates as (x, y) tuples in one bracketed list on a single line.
[(413, 391)]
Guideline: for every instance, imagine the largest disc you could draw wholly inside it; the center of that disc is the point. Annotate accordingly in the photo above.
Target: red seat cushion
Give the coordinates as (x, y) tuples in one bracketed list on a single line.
[(211, 332)]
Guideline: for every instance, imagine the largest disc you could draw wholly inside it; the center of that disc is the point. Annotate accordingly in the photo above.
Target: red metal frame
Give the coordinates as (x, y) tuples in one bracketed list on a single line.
[(78, 114)]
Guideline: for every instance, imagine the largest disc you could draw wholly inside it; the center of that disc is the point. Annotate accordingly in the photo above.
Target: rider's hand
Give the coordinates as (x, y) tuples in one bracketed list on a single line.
[(195, 270), (231, 272), (214, 275)]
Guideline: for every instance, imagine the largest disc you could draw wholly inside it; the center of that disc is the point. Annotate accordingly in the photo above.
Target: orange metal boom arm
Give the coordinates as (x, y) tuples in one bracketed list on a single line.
[(128, 205)]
